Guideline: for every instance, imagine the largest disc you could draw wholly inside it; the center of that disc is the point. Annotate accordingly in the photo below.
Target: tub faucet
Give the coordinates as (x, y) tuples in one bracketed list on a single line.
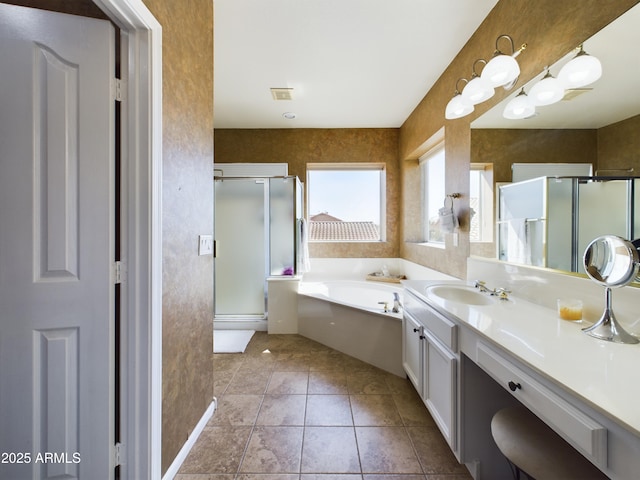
[(396, 303), (385, 306)]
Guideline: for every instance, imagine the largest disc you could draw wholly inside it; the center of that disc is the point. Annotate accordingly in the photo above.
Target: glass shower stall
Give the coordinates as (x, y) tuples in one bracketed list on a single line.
[(257, 236), (549, 221)]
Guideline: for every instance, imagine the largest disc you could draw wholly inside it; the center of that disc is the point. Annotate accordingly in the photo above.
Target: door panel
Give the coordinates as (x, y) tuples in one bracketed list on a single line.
[(56, 244)]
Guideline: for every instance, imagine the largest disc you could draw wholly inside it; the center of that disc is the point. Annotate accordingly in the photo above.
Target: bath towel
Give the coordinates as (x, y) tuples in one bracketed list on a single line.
[(447, 218), (304, 264), (518, 246)]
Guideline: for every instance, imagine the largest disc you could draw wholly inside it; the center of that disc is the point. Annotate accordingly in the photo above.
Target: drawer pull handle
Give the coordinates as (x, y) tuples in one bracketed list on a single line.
[(422, 337), (416, 330), (514, 386)]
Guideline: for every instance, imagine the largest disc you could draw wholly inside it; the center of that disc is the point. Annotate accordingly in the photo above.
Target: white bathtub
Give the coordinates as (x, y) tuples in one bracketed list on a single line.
[(346, 316)]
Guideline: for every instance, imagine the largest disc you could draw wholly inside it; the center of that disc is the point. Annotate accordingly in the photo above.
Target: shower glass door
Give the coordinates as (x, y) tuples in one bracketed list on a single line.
[(240, 266)]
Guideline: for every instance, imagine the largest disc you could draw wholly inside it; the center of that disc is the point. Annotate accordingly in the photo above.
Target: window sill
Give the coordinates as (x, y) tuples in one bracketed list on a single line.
[(312, 242), (440, 246)]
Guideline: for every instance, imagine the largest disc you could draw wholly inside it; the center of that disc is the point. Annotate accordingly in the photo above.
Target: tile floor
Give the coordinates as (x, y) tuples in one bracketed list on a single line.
[(292, 409)]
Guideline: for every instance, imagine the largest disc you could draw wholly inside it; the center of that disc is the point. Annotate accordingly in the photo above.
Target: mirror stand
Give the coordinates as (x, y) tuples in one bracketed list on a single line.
[(608, 328), (611, 261)]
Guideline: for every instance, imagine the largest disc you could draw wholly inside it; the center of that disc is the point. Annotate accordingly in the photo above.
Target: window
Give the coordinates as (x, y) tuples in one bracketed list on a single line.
[(433, 190), (481, 202), (346, 202)]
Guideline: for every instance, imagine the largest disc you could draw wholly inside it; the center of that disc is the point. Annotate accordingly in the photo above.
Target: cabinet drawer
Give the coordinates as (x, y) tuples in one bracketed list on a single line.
[(584, 433), (439, 326)]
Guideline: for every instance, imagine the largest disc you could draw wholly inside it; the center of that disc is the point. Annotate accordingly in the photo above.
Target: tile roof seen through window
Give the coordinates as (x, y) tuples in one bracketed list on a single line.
[(324, 227)]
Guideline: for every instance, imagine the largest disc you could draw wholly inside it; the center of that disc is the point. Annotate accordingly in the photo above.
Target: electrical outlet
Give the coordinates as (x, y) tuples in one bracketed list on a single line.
[(205, 244)]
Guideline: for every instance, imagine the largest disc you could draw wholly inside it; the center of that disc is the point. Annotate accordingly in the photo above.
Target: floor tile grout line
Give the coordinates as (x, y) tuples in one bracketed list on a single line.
[(304, 427), (253, 427), (355, 435)]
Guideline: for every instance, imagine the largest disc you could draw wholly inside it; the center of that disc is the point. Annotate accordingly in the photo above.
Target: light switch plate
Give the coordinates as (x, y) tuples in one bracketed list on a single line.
[(205, 244)]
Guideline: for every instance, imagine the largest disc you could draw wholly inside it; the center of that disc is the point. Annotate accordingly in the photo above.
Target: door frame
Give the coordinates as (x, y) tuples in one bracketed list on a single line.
[(141, 224)]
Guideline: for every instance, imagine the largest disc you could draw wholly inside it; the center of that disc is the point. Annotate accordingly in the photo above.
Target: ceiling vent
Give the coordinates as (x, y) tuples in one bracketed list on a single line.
[(572, 93), (282, 93)]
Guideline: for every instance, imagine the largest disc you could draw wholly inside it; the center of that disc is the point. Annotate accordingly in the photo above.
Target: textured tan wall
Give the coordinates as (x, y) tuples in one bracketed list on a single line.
[(619, 146), (502, 147), (297, 147), (551, 29), (187, 304)]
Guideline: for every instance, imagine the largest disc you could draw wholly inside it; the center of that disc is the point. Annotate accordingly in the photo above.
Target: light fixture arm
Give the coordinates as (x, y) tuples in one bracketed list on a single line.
[(473, 68), (580, 51), (548, 74), (514, 53), (457, 92)]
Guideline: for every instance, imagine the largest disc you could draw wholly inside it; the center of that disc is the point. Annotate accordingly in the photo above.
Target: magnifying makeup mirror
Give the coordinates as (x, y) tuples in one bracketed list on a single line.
[(612, 262)]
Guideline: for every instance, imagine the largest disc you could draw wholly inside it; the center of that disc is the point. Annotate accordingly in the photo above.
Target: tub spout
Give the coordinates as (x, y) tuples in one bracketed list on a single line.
[(396, 303)]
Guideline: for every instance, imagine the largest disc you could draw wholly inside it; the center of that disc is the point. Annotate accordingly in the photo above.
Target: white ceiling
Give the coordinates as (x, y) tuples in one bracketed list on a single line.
[(351, 63)]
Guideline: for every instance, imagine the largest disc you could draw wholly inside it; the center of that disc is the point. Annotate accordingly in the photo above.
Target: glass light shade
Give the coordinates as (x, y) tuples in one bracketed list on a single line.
[(477, 90), (580, 71), (457, 107), (547, 91), (501, 70), (519, 107)]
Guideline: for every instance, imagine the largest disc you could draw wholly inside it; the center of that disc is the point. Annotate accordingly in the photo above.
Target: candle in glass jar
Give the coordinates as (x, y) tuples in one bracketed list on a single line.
[(570, 309)]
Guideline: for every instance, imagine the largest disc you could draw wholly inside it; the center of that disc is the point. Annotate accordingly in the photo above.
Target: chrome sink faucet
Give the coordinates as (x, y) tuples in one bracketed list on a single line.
[(501, 293)]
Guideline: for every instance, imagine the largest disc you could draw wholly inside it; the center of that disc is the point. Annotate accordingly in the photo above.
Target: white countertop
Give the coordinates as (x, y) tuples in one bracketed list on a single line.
[(603, 374)]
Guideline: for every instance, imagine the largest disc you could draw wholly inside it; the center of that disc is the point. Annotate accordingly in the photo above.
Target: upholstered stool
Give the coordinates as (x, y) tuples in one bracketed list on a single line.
[(536, 450)]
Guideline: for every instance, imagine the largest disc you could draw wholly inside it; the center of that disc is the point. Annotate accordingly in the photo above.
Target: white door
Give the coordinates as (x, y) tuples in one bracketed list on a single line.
[(56, 245)]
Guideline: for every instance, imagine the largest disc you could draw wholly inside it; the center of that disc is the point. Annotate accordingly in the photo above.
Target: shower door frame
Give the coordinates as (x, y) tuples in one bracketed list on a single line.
[(245, 321)]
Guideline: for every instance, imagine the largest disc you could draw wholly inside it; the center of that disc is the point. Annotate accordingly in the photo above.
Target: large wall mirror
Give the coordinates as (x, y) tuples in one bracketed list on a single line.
[(598, 125)]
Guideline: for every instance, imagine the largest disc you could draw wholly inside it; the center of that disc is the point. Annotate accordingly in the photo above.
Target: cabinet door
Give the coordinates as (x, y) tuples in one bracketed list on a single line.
[(440, 387), (412, 334)]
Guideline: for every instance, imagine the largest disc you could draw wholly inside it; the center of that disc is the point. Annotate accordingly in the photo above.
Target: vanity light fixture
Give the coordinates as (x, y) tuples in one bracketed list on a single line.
[(478, 89), (519, 107), (503, 70), (547, 91), (458, 106), (581, 70)]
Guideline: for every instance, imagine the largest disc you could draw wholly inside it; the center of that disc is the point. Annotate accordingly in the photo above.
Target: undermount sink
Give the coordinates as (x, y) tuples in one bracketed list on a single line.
[(460, 294)]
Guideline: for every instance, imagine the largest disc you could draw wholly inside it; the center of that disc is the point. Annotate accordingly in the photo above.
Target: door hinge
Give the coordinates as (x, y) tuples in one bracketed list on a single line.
[(117, 89), (118, 273), (118, 453)]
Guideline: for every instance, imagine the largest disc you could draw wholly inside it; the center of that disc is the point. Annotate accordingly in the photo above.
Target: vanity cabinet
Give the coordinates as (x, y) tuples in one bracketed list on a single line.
[(412, 336), (467, 362), (431, 362), (440, 387)]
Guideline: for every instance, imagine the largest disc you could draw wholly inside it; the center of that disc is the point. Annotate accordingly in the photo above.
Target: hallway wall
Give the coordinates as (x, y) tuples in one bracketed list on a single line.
[(187, 304)]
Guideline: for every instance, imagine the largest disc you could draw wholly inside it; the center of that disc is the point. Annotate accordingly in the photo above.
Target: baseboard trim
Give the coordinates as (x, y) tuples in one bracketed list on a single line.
[(173, 469), (240, 323)]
